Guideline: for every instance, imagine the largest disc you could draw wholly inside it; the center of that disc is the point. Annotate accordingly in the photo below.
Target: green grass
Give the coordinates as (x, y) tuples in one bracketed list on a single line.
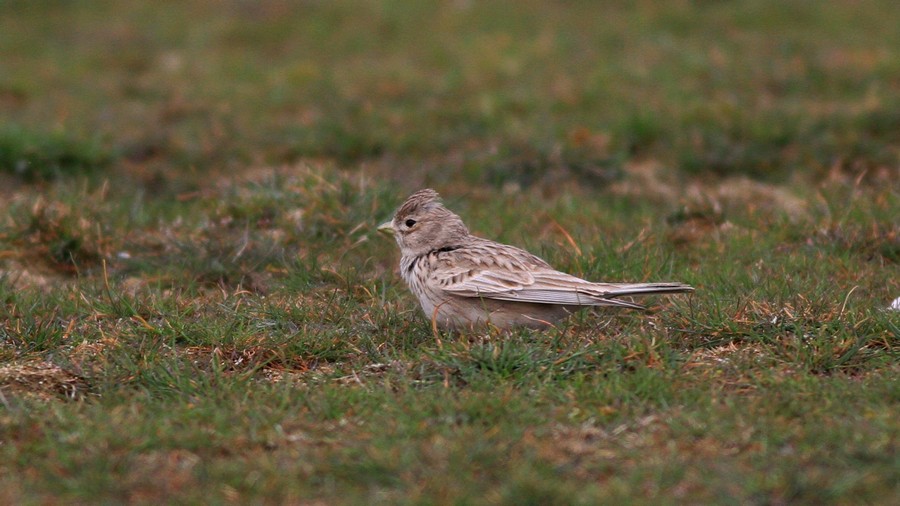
[(194, 305), (35, 156)]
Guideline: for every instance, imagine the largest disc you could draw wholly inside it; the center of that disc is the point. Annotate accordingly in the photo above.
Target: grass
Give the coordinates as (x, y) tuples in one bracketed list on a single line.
[(35, 156), (194, 306)]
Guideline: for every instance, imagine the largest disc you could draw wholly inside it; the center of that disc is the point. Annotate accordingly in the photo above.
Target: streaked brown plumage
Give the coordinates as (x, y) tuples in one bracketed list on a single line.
[(463, 281)]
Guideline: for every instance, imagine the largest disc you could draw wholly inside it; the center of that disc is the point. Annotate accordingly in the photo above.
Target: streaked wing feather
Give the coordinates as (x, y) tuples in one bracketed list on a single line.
[(485, 282), (547, 286), (544, 286), (564, 298)]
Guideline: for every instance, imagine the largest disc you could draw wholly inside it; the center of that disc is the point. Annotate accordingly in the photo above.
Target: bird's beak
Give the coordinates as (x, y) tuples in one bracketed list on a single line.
[(386, 228)]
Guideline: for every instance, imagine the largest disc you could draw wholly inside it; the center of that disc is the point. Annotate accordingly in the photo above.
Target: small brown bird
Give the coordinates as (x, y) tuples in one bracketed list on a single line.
[(463, 281)]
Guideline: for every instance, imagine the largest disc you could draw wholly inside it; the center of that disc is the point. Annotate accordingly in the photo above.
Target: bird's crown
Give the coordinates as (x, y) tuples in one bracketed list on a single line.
[(420, 200)]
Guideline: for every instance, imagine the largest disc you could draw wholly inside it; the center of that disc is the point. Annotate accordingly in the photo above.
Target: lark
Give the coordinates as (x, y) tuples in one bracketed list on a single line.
[(464, 282)]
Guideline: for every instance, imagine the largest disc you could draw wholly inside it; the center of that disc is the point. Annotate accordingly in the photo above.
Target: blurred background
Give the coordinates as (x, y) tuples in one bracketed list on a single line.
[(167, 96)]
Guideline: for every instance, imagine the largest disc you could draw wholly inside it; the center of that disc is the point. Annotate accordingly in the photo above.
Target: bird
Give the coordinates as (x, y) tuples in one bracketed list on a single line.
[(466, 282)]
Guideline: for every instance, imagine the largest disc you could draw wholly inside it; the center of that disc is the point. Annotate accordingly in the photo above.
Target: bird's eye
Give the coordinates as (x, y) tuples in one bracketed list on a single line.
[(410, 223)]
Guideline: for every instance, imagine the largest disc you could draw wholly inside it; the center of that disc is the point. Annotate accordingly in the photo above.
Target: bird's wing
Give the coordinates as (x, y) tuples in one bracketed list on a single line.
[(501, 272), (482, 281), (541, 286)]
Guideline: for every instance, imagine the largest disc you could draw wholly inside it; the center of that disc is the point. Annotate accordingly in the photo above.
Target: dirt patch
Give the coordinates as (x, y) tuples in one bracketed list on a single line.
[(651, 180), (21, 277), (40, 380)]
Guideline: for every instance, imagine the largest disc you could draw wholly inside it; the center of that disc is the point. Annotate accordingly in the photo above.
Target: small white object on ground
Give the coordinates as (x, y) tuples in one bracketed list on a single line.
[(895, 306)]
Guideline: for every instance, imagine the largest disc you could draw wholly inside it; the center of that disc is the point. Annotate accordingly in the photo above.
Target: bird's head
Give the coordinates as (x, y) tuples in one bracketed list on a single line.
[(423, 224)]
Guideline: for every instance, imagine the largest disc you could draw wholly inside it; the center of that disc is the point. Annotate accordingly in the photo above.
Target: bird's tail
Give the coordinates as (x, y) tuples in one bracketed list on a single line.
[(631, 289)]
